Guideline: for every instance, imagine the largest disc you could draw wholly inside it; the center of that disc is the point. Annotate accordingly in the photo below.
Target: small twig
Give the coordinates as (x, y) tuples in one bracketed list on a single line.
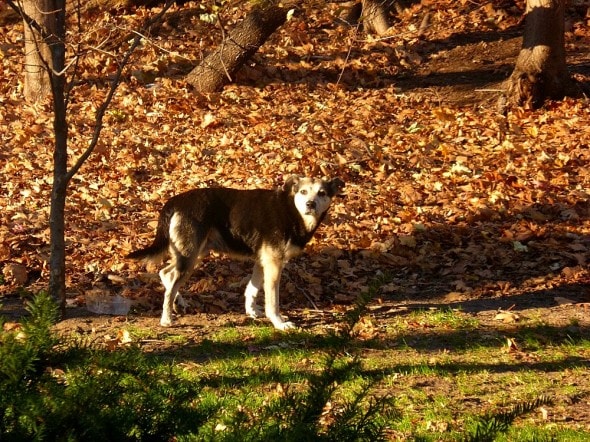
[(111, 93), (347, 57), (315, 307), (223, 38), (313, 304), (159, 47)]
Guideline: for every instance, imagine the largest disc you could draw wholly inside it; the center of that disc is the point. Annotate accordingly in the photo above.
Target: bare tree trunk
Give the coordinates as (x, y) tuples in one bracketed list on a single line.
[(57, 260), (219, 67), (375, 16), (45, 22), (54, 64), (372, 14), (37, 51), (541, 71)]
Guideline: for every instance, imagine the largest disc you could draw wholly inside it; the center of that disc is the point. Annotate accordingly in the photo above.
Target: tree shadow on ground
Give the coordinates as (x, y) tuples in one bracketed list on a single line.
[(493, 261), (262, 377), (422, 344), (461, 64), (545, 298), (453, 64)]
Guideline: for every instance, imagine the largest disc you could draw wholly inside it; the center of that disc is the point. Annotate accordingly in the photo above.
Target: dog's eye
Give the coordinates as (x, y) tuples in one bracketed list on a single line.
[(303, 192), (322, 193)]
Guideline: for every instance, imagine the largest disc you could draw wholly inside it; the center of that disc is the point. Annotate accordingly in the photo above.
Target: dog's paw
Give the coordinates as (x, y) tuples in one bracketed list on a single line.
[(254, 312), (284, 326), (165, 322)]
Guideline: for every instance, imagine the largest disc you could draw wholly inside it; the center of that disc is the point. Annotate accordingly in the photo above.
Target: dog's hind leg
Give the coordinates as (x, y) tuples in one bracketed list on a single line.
[(251, 292), (168, 276), (186, 245), (179, 302), (173, 276)]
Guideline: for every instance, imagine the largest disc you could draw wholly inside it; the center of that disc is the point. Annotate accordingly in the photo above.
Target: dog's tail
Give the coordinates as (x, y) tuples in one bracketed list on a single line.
[(159, 247)]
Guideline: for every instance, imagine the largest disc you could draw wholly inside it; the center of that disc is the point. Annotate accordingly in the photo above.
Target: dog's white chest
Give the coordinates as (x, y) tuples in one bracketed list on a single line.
[(292, 251)]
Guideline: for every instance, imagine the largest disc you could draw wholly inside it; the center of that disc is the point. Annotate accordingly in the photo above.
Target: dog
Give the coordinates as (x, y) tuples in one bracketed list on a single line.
[(267, 226)]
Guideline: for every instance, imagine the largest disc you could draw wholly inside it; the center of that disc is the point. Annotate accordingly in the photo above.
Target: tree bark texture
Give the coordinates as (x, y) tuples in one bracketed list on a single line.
[(541, 71), (375, 16), (9, 15), (57, 259), (372, 14), (37, 51), (219, 67)]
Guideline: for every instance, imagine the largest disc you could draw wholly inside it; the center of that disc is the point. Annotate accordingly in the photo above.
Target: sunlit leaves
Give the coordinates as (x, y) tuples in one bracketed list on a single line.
[(451, 199)]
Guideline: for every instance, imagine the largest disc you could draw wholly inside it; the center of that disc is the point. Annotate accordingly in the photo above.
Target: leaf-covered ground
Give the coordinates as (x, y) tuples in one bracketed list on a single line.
[(463, 207)]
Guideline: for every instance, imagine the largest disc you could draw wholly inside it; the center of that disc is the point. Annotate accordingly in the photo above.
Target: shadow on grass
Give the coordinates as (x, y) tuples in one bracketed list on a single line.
[(257, 377), (269, 354), (238, 370)]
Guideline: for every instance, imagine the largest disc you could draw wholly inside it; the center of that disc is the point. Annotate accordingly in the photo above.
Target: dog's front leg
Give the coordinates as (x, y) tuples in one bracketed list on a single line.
[(272, 276), (251, 292)]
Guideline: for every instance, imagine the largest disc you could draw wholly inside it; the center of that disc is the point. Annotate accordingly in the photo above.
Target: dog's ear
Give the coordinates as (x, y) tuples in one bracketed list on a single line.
[(335, 186), (291, 183)]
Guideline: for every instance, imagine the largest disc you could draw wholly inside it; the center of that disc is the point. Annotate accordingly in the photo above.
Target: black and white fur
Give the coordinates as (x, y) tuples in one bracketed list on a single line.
[(268, 226)]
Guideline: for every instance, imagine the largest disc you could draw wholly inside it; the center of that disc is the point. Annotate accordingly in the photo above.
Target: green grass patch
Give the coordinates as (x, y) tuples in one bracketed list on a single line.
[(429, 375)]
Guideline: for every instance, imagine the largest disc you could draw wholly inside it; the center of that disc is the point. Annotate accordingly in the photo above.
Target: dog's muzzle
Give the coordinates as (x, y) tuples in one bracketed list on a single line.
[(310, 207)]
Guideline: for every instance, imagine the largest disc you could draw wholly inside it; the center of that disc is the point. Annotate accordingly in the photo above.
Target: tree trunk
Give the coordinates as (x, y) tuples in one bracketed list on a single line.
[(53, 30), (372, 14), (57, 259), (220, 67), (37, 51), (45, 54), (375, 16), (541, 71)]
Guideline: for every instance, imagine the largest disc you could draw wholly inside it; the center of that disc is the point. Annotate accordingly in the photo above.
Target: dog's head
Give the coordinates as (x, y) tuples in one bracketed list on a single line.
[(312, 197)]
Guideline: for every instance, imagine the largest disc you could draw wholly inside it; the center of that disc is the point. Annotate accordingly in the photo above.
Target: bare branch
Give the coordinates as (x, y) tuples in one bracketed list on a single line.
[(32, 23), (70, 84), (113, 88), (160, 48)]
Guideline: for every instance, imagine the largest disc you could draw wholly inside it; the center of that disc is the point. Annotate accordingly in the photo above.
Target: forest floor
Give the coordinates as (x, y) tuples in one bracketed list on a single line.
[(460, 206)]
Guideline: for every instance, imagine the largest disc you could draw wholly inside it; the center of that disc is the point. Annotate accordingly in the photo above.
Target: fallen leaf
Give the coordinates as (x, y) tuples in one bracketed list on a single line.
[(544, 413), (124, 337), (511, 345), (563, 301), (507, 317), (519, 247), (209, 120), (11, 326), (15, 273)]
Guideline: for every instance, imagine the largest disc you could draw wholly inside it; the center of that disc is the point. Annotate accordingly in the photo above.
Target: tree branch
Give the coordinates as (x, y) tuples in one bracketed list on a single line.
[(113, 88), (30, 21)]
